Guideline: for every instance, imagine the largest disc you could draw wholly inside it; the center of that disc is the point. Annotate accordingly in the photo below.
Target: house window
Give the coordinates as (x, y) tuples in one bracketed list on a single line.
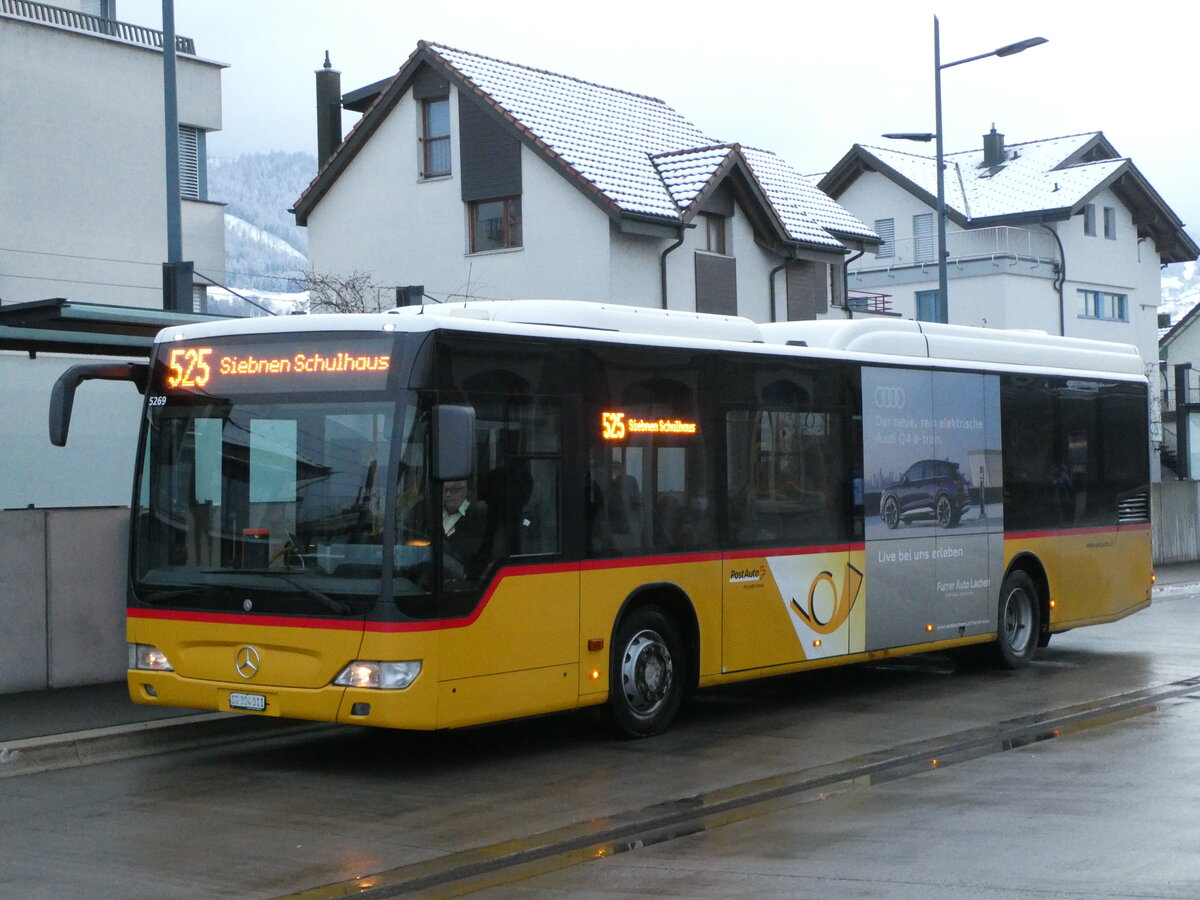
[(435, 137), (886, 229), (1110, 223), (716, 234), (1089, 220), (1105, 305), (495, 224), (923, 237), (931, 307)]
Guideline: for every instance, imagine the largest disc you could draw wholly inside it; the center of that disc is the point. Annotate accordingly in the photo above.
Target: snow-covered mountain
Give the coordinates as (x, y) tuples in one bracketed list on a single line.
[(264, 249)]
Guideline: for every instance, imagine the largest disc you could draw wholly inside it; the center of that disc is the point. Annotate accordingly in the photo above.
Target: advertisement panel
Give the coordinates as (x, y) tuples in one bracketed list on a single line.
[(933, 495)]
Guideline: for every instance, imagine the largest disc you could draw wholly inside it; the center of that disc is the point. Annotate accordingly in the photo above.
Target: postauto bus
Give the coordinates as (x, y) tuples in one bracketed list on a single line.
[(444, 516)]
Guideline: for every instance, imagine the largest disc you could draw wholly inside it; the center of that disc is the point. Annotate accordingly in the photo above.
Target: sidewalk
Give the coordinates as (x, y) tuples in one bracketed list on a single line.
[(43, 730)]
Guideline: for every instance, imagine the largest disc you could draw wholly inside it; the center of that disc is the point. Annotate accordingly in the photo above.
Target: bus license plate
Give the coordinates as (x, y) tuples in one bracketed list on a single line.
[(251, 702)]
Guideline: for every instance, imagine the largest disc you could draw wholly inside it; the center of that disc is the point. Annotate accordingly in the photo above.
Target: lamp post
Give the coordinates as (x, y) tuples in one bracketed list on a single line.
[(937, 136)]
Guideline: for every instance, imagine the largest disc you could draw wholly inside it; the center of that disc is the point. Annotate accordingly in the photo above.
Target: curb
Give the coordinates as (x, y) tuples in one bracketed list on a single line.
[(100, 745)]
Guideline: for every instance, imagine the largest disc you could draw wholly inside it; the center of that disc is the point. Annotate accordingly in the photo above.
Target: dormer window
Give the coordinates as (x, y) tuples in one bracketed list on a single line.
[(435, 137)]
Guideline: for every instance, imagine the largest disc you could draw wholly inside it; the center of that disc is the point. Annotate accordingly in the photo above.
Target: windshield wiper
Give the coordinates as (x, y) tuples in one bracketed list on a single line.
[(156, 597), (336, 605)]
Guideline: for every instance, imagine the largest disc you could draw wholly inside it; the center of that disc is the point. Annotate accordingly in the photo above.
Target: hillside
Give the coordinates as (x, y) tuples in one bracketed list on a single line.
[(264, 249)]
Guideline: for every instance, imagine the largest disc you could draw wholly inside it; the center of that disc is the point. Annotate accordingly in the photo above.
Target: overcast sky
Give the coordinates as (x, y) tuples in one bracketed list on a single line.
[(805, 80)]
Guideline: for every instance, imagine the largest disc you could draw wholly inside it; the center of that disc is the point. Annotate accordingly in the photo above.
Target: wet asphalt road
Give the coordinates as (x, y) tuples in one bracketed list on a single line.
[(924, 778)]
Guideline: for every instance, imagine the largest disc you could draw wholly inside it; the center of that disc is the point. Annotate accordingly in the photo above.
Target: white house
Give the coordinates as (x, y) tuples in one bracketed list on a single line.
[(1061, 235), (479, 178)]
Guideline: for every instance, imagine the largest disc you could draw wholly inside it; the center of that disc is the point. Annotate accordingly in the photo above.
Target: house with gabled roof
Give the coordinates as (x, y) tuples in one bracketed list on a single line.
[(1062, 235), (475, 177)]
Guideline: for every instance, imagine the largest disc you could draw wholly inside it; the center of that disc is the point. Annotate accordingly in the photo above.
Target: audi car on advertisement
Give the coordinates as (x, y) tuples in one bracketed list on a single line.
[(929, 488)]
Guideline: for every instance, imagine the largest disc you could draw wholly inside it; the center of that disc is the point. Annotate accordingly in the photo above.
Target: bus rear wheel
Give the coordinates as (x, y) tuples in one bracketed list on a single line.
[(648, 666), (1017, 623)]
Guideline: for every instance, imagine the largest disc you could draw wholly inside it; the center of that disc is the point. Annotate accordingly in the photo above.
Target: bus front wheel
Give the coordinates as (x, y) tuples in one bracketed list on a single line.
[(1017, 621), (647, 669)]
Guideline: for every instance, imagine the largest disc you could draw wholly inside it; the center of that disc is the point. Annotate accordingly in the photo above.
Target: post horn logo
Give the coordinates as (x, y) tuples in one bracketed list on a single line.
[(842, 604), (247, 662)]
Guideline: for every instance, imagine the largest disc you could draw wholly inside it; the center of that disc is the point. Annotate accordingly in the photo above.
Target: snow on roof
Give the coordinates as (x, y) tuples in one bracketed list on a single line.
[(1029, 179), (641, 154)]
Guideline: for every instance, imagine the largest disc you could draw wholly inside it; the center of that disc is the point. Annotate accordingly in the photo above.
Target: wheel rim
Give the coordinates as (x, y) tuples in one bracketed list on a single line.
[(647, 672), (943, 511), (1018, 621), (890, 513)]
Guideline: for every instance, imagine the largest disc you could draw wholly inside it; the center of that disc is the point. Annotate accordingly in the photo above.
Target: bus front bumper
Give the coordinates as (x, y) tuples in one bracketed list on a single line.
[(414, 707)]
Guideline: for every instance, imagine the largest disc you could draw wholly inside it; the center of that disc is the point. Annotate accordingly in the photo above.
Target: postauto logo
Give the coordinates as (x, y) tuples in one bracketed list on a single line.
[(887, 397), (755, 573)]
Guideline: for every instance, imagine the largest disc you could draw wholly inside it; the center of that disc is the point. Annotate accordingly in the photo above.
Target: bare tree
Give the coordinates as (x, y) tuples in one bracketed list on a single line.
[(357, 292)]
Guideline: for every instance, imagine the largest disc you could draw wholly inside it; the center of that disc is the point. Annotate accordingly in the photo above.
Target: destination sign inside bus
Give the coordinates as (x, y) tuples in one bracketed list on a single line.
[(616, 426), (315, 363)]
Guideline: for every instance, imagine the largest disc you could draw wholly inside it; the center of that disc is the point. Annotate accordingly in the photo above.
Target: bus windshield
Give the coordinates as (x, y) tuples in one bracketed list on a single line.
[(282, 499)]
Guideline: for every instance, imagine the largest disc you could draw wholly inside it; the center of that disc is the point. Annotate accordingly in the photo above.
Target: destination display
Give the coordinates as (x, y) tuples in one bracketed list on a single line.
[(325, 362), (616, 426)]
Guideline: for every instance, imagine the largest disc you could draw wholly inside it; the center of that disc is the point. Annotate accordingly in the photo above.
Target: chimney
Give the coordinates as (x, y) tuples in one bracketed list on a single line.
[(993, 148), (329, 111)]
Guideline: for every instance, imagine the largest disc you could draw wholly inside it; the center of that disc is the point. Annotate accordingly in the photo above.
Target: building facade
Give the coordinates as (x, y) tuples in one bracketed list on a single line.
[(82, 186), (1060, 235), (474, 177)]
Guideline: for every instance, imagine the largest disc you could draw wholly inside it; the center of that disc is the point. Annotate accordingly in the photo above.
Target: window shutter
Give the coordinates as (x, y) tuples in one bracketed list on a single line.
[(806, 295), (189, 162), (716, 284), (886, 229), (923, 237)]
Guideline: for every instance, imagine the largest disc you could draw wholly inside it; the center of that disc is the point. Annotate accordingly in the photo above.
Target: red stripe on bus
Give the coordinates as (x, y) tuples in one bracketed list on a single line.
[(174, 615), (507, 572)]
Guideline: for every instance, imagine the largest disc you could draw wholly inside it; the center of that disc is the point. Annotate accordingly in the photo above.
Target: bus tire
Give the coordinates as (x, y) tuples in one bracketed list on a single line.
[(648, 671), (1017, 625)]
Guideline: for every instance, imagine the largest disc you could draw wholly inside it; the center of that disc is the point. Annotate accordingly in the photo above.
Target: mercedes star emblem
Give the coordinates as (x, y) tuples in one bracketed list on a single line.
[(246, 662)]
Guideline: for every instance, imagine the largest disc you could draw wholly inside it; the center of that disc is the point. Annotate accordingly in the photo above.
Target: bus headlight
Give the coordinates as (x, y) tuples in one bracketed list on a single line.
[(147, 656), (387, 676)]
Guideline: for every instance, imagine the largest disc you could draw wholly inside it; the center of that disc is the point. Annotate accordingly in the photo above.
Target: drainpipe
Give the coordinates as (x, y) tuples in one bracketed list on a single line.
[(846, 283), (771, 284), (662, 265), (1059, 282)]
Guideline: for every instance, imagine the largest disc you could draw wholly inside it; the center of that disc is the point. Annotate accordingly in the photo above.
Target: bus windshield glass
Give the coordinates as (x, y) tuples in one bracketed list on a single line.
[(253, 484)]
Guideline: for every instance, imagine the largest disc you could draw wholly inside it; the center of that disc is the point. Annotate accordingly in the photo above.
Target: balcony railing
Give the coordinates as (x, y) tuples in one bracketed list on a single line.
[(864, 301), (79, 21), (1001, 244)]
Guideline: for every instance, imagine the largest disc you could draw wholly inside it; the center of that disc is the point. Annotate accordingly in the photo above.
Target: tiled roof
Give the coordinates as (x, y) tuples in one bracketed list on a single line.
[(636, 153), (606, 135), (1028, 181)]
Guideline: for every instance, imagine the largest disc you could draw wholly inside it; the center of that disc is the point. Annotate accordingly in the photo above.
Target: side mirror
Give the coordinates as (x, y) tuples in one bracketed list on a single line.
[(453, 442), (62, 397)]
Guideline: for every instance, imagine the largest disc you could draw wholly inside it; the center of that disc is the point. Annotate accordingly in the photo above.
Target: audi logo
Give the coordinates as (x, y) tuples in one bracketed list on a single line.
[(246, 662), (889, 398)]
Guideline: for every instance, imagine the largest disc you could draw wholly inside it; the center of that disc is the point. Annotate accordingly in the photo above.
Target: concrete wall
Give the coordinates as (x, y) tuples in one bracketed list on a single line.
[(1176, 506), (62, 597)]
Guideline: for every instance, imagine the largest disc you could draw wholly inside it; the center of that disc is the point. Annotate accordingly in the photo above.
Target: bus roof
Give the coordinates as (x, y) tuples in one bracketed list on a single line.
[(863, 339)]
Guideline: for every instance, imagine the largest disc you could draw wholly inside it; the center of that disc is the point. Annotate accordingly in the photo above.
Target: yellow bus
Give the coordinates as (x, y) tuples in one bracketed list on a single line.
[(445, 516)]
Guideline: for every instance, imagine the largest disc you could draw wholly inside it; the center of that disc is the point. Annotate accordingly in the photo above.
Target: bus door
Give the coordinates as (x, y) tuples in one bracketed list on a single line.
[(508, 604), (795, 592)]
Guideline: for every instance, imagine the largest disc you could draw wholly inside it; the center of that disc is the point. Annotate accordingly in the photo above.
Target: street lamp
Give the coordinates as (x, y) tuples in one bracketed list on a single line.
[(938, 65)]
